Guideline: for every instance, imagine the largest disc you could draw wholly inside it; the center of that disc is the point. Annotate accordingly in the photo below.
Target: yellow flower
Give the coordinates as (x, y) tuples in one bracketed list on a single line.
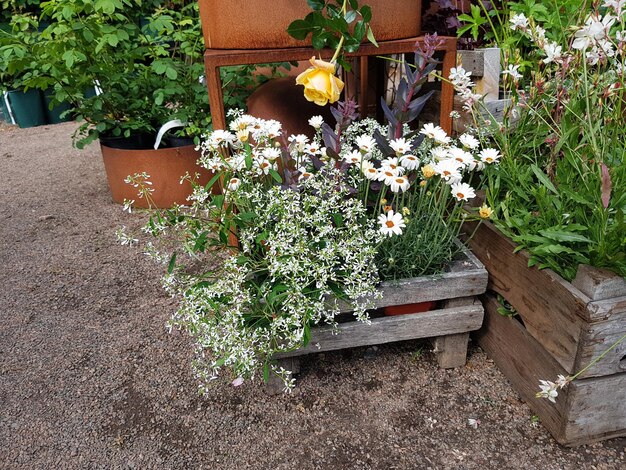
[(387, 208), (485, 211), (423, 183), (320, 83), (428, 171), (406, 211), (383, 201)]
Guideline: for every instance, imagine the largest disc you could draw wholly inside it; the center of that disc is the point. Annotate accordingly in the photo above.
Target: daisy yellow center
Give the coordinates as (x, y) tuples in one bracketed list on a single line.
[(460, 195), (388, 173), (400, 180), (390, 224), (446, 173)]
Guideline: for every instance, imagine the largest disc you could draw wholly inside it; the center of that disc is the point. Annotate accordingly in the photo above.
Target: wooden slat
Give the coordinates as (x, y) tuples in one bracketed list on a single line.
[(390, 329), (599, 284), (586, 411), (553, 310), (597, 337)]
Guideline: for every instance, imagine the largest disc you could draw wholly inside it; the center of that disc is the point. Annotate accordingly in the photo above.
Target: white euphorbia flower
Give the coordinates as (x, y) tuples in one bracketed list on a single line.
[(316, 122), (400, 146), (469, 141), (365, 143), (391, 224), (489, 155), (462, 191), (399, 183), (410, 162)]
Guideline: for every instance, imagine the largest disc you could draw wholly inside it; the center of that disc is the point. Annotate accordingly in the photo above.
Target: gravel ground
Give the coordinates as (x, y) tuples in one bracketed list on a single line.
[(89, 377)]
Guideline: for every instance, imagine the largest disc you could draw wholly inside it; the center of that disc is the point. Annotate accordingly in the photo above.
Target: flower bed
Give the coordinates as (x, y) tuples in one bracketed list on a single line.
[(564, 327)]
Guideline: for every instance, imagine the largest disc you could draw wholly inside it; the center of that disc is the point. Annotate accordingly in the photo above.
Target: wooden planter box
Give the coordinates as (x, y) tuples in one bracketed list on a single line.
[(564, 326), (259, 24), (459, 313)]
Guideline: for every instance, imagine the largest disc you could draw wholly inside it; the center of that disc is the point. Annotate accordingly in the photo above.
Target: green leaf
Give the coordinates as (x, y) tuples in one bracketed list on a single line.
[(172, 263), (350, 16), (564, 236), (171, 73), (266, 372), (299, 29), (543, 178), (366, 13), (276, 176), (370, 36), (316, 4)]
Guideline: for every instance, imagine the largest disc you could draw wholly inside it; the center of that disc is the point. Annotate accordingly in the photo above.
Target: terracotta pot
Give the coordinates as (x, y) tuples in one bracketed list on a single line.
[(409, 308), (259, 24), (165, 166)]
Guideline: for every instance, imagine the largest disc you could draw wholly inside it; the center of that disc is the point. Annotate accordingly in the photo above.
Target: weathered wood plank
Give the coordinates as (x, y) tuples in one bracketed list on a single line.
[(586, 411), (440, 322), (599, 284), (472, 61), (597, 338), (451, 350), (597, 409), (275, 385), (552, 309), (523, 361)]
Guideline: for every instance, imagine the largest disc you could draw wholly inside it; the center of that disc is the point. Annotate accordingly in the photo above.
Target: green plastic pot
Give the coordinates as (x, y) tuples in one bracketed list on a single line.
[(27, 107), (53, 116), (4, 112)]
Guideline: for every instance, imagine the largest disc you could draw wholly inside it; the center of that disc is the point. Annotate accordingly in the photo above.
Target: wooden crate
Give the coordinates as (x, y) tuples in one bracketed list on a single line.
[(565, 327), (449, 326)]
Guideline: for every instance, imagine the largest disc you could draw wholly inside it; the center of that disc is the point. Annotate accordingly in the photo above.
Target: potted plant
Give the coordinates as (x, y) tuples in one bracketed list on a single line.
[(560, 230), (146, 73), (312, 226)]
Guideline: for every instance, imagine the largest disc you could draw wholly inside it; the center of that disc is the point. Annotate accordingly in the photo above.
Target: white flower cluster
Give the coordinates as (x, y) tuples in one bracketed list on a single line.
[(597, 37), (313, 241), (464, 87)]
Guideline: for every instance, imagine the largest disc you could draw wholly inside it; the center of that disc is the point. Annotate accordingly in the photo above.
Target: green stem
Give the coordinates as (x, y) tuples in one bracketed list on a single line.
[(580, 372), (344, 8)]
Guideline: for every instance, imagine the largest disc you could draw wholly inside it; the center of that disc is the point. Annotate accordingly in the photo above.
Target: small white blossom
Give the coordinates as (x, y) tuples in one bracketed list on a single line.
[(519, 21), (316, 122)]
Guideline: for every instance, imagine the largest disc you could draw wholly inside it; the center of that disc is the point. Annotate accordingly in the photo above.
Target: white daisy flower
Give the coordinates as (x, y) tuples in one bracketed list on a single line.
[(462, 191), (469, 141), (435, 132), (447, 169), (489, 155), (391, 224), (439, 153), (410, 162), (519, 21), (233, 184), (400, 146), (353, 157), (365, 143), (399, 183), (370, 172), (393, 164), (387, 175), (316, 122), (271, 153), (462, 156), (298, 141), (312, 148)]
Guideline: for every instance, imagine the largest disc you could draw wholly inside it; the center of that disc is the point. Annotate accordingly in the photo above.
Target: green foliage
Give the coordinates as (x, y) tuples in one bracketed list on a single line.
[(562, 186), (148, 69), (337, 24)]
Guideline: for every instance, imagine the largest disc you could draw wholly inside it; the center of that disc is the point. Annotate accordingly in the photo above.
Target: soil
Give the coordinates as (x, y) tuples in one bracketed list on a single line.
[(90, 378)]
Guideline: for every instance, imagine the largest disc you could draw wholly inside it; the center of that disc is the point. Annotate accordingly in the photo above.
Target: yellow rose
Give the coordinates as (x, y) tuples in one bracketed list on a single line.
[(320, 83)]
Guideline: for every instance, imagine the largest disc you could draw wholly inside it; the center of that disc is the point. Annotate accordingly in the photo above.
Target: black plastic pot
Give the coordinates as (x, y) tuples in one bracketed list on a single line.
[(180, 141), (27, 107), (53, 116), (138, 141)]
